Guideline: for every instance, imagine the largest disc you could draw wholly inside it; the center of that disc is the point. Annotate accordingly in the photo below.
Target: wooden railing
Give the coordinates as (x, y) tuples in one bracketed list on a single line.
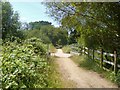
[(86, 51)]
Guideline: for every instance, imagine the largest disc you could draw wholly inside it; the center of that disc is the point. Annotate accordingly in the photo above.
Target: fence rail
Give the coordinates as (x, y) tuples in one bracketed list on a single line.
[(114, 55)]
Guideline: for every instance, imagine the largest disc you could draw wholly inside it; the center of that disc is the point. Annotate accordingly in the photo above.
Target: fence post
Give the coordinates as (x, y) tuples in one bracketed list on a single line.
[(115, 62), (88, 52), (101, 62), (83, 51), (93, 54)]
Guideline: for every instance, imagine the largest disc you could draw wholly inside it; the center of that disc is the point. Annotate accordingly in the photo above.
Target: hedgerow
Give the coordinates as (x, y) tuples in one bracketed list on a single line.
[(24, 64)]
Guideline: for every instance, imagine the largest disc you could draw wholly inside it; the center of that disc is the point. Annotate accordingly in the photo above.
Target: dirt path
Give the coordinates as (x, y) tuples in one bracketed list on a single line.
[(80, 77)]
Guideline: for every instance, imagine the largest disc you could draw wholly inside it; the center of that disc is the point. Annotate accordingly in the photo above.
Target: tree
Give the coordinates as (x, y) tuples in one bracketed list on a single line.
[(38, 34), (38, 24), (48, 33), (10, 21), (91, 22)]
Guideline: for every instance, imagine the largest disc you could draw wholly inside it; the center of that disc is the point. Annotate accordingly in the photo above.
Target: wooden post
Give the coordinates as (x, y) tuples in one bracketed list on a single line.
[(83, 51), (101, 62), (115, 62), (88, 52), (93, 54)]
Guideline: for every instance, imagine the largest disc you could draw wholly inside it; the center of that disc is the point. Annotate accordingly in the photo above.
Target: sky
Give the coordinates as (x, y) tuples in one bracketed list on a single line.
[(32, 11)]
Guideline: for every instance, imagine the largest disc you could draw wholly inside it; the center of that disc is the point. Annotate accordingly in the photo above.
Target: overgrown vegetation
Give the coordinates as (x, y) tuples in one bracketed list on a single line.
[(25, 60), (24, 64)]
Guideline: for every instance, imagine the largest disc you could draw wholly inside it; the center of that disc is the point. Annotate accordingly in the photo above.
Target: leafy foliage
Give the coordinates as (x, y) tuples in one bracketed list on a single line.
[(24, 64), (49, 34), (93, 24)]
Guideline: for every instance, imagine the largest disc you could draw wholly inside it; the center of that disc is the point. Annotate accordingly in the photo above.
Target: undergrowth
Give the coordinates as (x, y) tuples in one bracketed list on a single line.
[(25, 65)]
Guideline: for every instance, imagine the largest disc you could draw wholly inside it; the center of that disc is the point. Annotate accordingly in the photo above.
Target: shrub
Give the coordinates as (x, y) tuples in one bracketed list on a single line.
[(24, 64)]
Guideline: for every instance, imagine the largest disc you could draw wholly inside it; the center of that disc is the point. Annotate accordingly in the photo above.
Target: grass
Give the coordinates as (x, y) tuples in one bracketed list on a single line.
[(56, 80), (66, 49), (89, 64), (52, 49), (54, 76), (83, 61)]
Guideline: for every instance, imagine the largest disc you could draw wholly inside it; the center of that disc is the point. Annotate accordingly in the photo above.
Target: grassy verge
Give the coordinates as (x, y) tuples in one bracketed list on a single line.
[(54, 76), (56, 79), (66, 49), (89, 64)]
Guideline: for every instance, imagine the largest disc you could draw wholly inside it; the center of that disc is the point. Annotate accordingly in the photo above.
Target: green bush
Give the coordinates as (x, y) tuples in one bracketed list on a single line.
[(37, 45), (114, 77), (24, 64), (66, 49), (118, 78)]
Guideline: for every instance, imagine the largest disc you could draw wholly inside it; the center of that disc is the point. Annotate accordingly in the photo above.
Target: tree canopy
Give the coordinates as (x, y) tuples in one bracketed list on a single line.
[(38, 24), (94, 24), (48, 33)]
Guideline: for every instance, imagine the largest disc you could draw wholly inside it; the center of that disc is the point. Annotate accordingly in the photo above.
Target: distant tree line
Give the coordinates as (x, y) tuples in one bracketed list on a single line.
[(47, 32)]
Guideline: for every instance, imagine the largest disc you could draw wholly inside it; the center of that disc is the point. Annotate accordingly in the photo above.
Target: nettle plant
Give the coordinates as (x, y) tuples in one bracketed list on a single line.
[(24, 64)]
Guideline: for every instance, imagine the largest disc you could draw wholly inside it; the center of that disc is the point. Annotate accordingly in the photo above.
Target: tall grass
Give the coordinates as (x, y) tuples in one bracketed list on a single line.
[(54, 75)]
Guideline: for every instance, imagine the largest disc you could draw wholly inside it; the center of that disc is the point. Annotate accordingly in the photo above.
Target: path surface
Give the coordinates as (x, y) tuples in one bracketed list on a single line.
[(80, 77)]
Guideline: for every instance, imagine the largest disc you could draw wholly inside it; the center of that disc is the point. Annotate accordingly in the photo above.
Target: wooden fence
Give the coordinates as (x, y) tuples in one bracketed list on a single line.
[(86, 51)]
